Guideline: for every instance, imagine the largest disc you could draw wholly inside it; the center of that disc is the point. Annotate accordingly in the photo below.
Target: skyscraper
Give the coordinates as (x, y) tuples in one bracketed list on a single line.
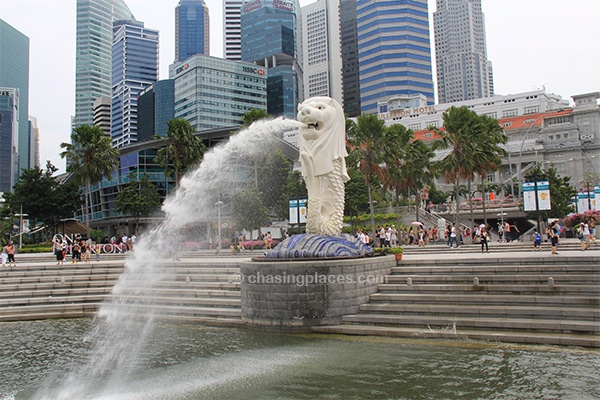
[(94, 53), (191, 29), (463, 70), (269, 39), (394, 53), (214, 93), (9, 135), (135, 66), (14, 78), (349, 46), (321, 44), (232, 42)]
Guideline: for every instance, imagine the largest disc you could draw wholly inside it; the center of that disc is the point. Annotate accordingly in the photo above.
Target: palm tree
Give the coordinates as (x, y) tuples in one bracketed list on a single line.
[(490, 151), (460, 125), (90, 157), (183, 150), (367, 139), (412, 169)]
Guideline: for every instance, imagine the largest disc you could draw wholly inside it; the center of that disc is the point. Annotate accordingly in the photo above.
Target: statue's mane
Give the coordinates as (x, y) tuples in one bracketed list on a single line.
[(331, 143)]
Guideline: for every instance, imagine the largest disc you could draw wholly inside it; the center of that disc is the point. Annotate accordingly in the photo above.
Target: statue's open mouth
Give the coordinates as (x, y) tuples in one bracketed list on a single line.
[(314, 125)]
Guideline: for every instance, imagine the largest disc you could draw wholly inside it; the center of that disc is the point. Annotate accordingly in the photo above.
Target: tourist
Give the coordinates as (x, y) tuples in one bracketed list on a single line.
[(553, 232), (75, 253), (484, 238), (453, 236), (241, 241), (537, 240), (393, 236), (10, 251), (86, 250), (57, 248), (592, 225), (583, 235), (4, 256)]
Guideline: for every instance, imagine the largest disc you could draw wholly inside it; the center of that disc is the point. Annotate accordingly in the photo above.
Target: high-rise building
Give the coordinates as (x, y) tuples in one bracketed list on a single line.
[(14, 74), (9, 138), (94, 53), (102, 114), (270, 38), (394, 52), (463, 70), (34, 142), (214, 93), (232, 35), (322, 51), (135, 66), (156, 107), (349, 46), (191, 29)]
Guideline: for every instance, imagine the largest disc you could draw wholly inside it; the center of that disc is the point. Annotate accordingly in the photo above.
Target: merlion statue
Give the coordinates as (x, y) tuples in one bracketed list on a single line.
[(322, 156)]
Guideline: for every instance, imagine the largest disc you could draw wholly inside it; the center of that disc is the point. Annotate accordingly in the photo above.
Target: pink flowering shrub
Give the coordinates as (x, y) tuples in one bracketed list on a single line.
[(575, 219)]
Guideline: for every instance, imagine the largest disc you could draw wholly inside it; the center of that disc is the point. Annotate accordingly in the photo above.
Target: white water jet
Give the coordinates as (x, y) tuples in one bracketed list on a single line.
[(125, 321)]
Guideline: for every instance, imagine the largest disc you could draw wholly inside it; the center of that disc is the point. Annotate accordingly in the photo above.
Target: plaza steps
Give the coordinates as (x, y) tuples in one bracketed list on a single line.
[(538, 299), (440, 247), (185, 291)]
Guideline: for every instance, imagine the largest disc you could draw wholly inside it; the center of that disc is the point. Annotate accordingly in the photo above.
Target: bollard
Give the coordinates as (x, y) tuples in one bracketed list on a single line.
[(408, 281), (476, 281), (550, 281)]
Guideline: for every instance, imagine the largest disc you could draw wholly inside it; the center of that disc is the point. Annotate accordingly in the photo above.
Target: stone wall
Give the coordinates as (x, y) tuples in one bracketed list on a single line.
[(301, 294)]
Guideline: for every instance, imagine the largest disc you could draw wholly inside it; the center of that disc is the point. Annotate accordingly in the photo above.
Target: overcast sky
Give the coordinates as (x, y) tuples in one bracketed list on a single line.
[(531, 43)]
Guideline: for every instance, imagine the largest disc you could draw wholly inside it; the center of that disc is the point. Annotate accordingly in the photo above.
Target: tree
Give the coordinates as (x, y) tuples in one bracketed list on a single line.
[(458, 135), (489, 152), (272, 173), (253, 115), (138, 198), (183, 150), (367, 139), (248, 210), (294, 189), (90, 157), (357, 196), (42, 197), (413, 169)]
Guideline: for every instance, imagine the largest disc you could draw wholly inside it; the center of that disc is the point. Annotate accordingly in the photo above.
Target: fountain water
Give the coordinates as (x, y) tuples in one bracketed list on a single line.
[(124, 322)]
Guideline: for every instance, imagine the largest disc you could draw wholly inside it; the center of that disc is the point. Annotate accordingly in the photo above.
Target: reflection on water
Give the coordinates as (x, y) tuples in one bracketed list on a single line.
[(195, 362)]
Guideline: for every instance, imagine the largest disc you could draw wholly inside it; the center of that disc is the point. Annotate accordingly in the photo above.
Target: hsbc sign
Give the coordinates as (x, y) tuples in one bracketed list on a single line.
[(253, 70)]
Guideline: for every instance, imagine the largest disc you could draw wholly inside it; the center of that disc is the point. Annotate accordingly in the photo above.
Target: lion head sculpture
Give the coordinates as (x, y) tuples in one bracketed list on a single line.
[(324, 136)]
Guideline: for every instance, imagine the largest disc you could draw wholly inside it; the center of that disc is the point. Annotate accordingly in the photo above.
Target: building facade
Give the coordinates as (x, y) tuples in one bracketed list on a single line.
[(192, 29), (232, 29), (135, 66), (541, 128), (14, 73), (93, 60), (349, 52), (9, 138), (270, 39), (322, 65), (394, 52), (214, 93), (156, 107), (102, 114), (463, 70)]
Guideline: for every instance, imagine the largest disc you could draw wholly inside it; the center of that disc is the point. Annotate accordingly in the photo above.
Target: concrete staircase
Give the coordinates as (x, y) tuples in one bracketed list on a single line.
[(187, 291), (520, 299)]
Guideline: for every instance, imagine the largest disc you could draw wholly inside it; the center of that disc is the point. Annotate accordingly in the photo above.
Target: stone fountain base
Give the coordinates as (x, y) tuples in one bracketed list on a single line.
[(296, 295)]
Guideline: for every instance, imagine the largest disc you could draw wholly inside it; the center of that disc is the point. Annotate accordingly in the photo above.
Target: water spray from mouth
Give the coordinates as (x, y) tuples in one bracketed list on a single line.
[(126, 320)]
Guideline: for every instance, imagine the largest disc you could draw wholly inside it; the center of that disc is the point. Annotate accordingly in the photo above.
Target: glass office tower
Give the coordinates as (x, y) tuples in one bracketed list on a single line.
[(191, 29), (14, 74), (394, 51), (94, 53), (269, 39), (134, 67)]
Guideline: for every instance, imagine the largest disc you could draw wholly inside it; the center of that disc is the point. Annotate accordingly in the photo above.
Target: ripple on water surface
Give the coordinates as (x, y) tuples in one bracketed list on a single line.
[(193, 362)]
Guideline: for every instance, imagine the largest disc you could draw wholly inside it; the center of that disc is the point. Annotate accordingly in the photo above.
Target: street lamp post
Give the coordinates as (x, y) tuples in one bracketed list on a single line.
[(219, 242), (21, 215), (521, 154)]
